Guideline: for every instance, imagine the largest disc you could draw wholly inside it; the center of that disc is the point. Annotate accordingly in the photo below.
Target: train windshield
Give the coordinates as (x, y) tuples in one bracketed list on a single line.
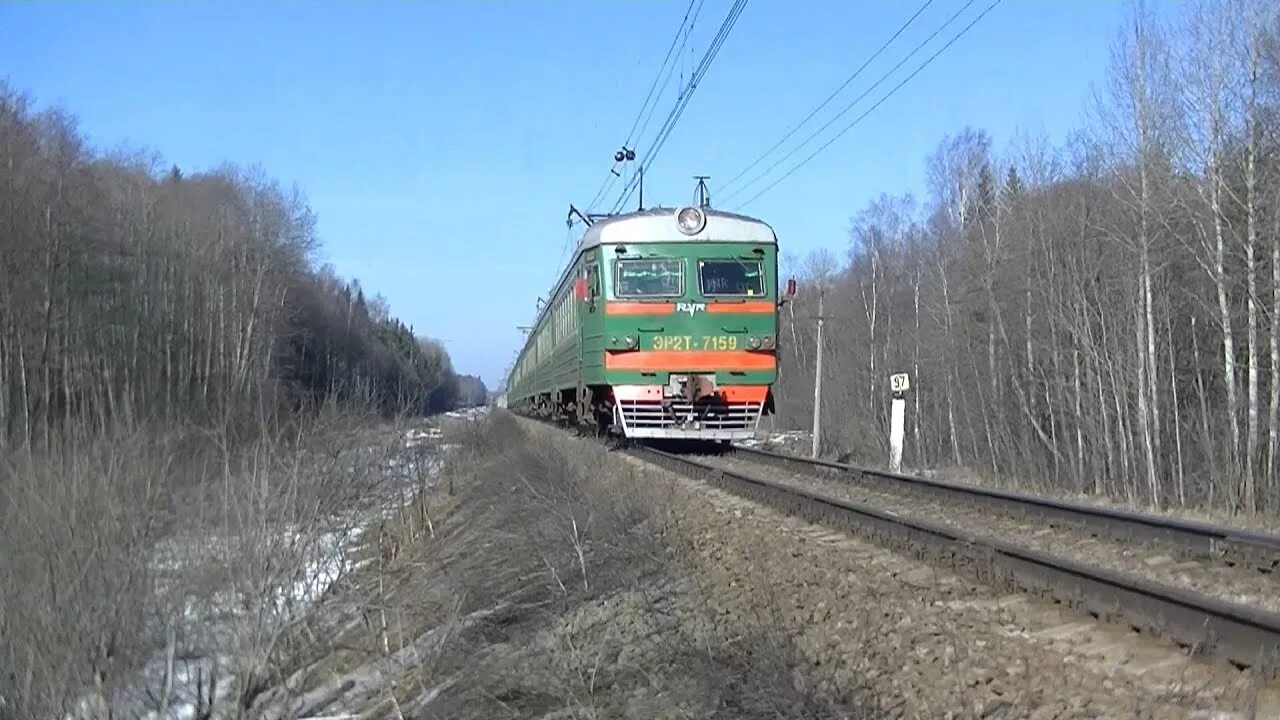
[(731, 277), (649, 278)]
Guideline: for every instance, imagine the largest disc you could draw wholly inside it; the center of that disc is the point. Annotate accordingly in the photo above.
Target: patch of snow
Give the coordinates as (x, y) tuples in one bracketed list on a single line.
[(189, 691), (774, 439), (210, 585), (416, 437), (346, 693)]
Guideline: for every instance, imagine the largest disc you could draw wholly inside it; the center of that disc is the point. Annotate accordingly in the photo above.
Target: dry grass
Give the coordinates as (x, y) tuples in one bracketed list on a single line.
[(75, 584), (145, 568), (530, 575), (548, 589)]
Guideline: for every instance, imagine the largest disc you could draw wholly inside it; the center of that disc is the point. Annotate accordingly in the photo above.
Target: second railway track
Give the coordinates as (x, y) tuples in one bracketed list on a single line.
[(1246, 635), (1143, 556), (1260, 551)]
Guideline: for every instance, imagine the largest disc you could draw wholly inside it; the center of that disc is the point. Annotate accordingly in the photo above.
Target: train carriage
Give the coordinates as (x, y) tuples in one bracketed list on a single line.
[(664, 325)]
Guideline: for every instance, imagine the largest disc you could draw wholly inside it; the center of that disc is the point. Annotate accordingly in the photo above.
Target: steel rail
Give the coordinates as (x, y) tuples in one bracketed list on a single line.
[(1244, 635), (1233, 545)]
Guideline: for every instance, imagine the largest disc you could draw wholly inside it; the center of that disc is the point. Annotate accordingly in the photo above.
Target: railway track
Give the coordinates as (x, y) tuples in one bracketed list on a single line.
[(1244, 548), (1154, 561), (1245, 635)]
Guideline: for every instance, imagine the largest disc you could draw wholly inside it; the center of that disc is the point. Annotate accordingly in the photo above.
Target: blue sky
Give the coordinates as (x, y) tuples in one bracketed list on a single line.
[(440, 143)]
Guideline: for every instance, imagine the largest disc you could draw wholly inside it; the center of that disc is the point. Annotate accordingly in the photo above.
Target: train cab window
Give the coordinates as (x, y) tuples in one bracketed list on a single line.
[(593, 281), (650, 277), (730, 276)]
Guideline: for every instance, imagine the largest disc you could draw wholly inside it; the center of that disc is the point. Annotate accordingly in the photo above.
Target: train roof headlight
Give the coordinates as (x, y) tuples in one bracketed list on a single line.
[(691, 220)]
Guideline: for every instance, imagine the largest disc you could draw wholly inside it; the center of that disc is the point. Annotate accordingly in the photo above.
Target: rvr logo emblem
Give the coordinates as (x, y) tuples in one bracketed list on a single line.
[(691, 308)]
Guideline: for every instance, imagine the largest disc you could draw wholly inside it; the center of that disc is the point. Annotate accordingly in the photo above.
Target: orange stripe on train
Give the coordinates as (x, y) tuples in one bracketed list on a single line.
[(743, 393), (640, 308), (756, 307), (689, 360), (637, 308), (729, 393)]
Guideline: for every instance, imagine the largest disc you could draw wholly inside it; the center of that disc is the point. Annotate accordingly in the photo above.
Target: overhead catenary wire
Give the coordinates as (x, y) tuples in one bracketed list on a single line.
[(728, 197), (856, 73), (682, 100), (666, 60), (697, 11), (670, 72), (850, 105), (568, 240), (666, 81), (877, 104)]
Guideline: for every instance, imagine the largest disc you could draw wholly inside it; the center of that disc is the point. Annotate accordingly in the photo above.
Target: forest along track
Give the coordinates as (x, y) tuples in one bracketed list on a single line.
[(1190, 556), (1245, 635)]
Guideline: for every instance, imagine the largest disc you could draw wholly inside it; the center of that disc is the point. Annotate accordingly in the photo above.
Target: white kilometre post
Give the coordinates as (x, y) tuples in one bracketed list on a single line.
[(899, 383)]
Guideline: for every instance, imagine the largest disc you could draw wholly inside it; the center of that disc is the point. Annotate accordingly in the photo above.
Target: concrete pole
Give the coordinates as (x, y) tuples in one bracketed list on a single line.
[(817, 381)]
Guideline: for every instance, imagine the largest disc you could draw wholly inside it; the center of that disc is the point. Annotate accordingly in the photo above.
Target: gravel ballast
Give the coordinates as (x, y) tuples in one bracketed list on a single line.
[(927, 643)]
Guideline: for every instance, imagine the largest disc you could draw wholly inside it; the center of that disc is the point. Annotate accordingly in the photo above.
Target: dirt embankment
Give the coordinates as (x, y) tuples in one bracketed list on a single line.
[(547, 584), (560, 581)]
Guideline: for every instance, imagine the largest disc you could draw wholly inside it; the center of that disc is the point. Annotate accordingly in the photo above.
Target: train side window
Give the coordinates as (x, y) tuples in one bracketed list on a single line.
[(593, 281)]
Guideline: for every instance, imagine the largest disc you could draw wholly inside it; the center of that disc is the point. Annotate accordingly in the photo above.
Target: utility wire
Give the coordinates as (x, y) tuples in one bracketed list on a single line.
[(877, 104), (791, 153), (608, 180), (682, 101), (832, 96)]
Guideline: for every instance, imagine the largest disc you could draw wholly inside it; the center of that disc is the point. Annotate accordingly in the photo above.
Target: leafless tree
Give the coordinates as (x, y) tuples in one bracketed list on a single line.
[(169, 351), (1061, 307)]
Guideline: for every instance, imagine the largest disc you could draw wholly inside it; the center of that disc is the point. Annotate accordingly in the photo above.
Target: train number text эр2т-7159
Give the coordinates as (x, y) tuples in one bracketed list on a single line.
[(691, 342)]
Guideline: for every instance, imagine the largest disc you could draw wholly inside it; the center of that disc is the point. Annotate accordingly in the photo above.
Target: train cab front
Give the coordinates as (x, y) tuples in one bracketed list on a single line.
[(690, 336)]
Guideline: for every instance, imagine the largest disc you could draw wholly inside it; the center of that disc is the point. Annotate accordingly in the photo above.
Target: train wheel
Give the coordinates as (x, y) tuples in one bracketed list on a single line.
[(604, 419)]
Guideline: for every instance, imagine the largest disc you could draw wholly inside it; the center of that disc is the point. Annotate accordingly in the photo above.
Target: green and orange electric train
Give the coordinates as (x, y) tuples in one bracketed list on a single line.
[(664, 325)]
